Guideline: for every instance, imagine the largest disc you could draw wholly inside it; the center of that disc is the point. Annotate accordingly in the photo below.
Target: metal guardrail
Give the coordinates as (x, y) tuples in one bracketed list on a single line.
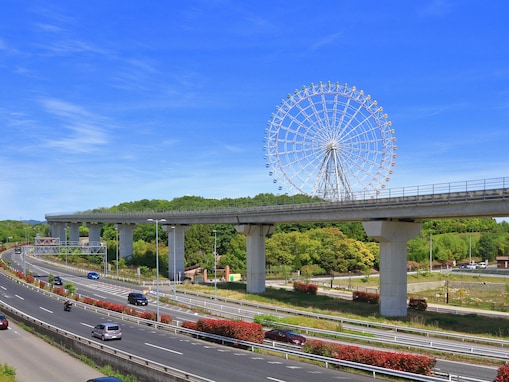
[(461, 191), (342, 320), (373, 370)]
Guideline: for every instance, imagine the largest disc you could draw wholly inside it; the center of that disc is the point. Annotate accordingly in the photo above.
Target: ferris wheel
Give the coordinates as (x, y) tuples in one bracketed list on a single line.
[(330, 141)]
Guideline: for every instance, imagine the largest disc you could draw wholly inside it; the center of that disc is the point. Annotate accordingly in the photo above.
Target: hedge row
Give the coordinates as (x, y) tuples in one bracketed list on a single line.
[(371, 298), (244, 331), (305, 288), (165, 319), (396, 361)]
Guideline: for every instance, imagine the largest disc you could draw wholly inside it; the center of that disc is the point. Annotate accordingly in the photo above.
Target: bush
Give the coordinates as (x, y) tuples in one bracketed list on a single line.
[(417, 303), (395, 361), (503, 374), (305, 288), (371, 298), (244, 331)]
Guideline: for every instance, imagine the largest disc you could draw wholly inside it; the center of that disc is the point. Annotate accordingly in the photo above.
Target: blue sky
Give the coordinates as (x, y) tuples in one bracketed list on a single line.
[(105, 102)]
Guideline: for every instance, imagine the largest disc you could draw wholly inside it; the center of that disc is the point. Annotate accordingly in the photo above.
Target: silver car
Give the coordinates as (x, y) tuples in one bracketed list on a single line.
[(107, 331)]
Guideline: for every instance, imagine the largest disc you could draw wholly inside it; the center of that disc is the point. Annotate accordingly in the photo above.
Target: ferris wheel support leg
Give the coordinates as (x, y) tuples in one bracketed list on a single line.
[(393, 237), (255, 248)]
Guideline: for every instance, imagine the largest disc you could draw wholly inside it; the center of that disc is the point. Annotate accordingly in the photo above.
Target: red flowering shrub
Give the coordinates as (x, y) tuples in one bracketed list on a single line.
[(305, 288), (148, 316), (89, 301), (60, 291), (503, 374), (417, 303), (371, 298), (190, 325), (130, 311), (42, 284), (165, 319), (29, 279), (244, 331), (389, 360)]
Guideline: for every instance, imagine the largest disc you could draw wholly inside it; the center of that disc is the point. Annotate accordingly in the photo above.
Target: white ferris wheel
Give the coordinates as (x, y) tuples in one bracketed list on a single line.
[(330, 141)]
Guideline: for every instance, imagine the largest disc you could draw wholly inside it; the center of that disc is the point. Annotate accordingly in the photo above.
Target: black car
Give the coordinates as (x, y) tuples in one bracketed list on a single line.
[(137, 299), (58, 281), (285, 335)]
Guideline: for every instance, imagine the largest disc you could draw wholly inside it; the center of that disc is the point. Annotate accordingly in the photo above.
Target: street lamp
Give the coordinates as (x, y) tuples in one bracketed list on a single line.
[(174, 267), (215, 263), (157, 221)]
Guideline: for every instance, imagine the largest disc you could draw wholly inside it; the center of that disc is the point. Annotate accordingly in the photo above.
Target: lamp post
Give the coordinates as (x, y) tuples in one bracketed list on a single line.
[(24, 251), (215, 263), (174, 267), (116, 246), (157, 221)]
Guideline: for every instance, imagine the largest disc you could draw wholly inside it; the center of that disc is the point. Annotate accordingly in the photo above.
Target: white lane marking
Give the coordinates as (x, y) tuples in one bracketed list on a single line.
[(4, 288), (165, 349), (87, 325), (275, 379), (46, 310), (18, 296)]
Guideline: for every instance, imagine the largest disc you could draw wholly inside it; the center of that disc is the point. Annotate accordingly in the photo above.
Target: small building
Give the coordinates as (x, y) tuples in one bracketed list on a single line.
[(502, 262)]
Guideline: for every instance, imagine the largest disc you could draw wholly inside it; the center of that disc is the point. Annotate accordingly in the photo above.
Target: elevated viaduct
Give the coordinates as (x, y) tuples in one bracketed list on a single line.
[(392, 217)]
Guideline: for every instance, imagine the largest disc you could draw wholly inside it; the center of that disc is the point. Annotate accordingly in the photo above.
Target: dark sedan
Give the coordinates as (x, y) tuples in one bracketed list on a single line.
[(285, 335), (4, 323)]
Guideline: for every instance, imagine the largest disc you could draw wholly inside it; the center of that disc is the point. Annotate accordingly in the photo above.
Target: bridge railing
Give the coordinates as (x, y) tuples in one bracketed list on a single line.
[(482, 189)]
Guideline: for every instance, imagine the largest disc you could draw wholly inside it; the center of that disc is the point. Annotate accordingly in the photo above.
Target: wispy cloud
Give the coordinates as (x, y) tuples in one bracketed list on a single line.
[(80, 130), (327, 40)]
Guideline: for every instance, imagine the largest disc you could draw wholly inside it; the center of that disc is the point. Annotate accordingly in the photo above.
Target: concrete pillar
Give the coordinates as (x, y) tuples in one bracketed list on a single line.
[(176, 250), (94, 234), (393, 237), (60, 232), (255, 256), (74, 233), (125, 238)]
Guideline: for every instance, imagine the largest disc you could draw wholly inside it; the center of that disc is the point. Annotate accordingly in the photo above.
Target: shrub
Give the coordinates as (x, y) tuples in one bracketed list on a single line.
[(395, 361), (305, 288), (166, 319), (244, 331), (417, 303), (503, 374), (190, 325), (371, 298), (148, 316)]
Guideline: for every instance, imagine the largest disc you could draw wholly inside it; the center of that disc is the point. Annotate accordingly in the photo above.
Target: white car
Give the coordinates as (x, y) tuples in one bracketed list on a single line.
[(472, 266)]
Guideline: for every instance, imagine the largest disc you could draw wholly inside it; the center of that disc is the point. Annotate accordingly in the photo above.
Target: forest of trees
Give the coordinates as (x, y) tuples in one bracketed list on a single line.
[(312, 248)]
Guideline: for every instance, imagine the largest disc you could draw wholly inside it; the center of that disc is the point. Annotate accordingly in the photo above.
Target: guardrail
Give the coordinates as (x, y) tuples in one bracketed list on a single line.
[(79, 344), (495, 189), (342, 320)]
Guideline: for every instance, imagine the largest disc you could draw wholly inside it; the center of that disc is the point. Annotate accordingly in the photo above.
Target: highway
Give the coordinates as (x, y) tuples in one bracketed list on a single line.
[(117, 293), (208, 360)]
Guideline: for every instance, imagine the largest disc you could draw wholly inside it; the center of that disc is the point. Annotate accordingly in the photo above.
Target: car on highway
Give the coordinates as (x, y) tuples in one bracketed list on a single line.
[(57, 281), (105, 379), (136, 298), (93, 275), (107, 331), (285, 335), (4, 322)]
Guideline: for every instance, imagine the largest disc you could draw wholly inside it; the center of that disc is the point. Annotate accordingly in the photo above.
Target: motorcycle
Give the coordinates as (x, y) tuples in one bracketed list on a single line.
[(67, 306)]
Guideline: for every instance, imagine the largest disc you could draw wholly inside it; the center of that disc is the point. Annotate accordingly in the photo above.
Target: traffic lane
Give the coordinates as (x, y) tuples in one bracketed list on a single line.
[(36, 360), (178, 351)]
